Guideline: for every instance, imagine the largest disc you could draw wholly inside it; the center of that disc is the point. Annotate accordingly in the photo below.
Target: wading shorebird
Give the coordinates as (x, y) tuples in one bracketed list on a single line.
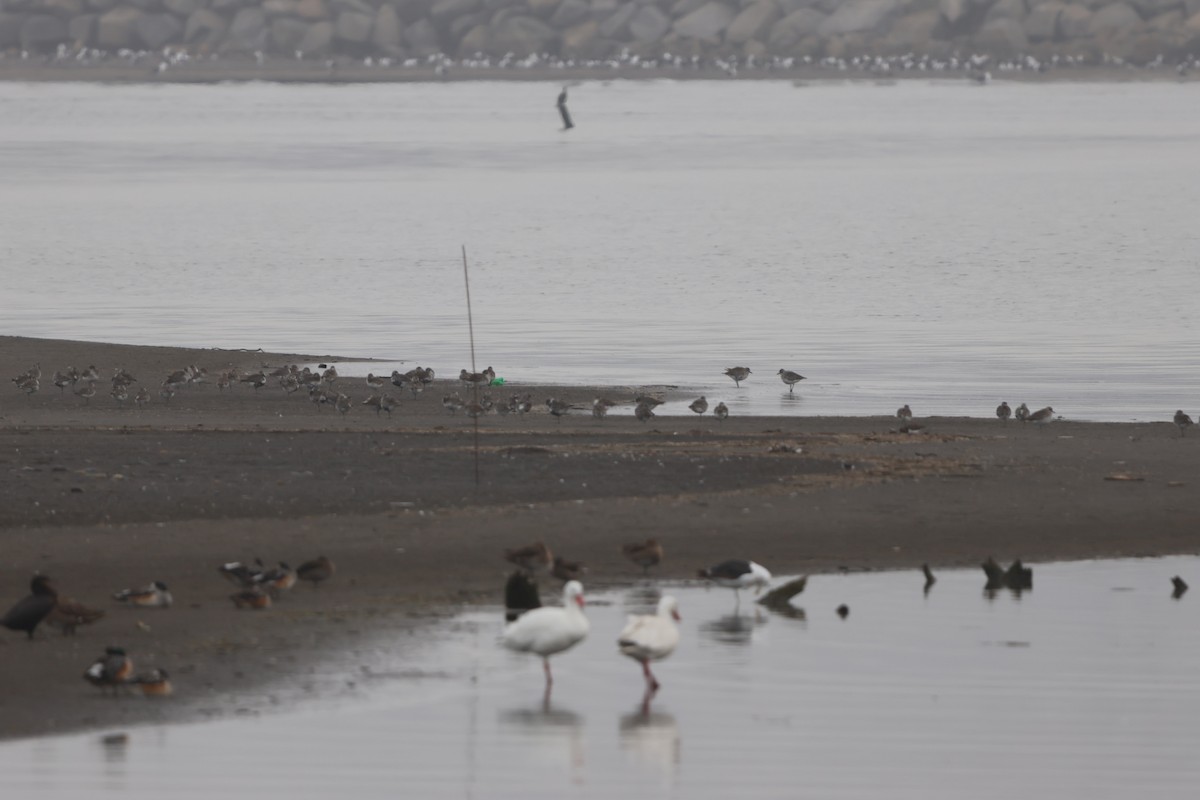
[(738, 374), (1182, 421), (790, 378), (532, 558), (547, 631), (316, 571), (738, 574), (651, 637), (1003, 412), (645, 554)]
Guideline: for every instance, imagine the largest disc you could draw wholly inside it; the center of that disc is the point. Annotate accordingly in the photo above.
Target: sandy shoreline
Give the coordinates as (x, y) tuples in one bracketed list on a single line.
[(102, 498)]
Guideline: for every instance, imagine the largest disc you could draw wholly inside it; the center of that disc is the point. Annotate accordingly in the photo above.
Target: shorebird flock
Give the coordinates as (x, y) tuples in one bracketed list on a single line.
[(324, 387), (258, 586)]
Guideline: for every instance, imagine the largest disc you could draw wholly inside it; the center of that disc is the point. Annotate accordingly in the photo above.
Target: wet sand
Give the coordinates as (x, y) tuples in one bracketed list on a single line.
[(102, 498)]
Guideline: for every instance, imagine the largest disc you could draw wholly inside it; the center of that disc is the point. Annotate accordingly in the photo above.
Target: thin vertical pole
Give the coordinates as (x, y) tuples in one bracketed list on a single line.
[(474, 386)]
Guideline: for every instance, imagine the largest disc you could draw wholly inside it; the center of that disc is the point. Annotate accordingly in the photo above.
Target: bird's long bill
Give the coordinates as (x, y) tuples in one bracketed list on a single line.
[(579, 600)]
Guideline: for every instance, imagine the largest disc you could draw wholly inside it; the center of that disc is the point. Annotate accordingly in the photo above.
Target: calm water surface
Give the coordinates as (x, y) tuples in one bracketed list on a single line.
[(931, 243), (1085, 688)]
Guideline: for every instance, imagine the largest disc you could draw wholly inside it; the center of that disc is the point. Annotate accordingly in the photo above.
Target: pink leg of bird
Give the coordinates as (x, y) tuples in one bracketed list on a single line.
[(651, 682), (546, 667)]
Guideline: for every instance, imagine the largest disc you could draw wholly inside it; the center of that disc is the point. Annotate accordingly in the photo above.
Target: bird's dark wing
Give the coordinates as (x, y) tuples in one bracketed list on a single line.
[(28, 613)]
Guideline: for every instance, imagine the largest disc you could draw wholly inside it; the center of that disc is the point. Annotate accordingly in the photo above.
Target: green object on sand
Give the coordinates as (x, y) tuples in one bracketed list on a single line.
[(497, 382)]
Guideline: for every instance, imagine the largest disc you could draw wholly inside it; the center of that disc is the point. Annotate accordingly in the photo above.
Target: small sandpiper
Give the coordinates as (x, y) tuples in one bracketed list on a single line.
[(1003, 412), (790, 378), (721, 412), (700, 405), (738, 374), (1182, 420)]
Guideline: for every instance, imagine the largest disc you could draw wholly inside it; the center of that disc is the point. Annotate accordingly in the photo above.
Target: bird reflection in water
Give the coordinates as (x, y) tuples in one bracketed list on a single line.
[(733, 628), (651, 737), (546, 726)]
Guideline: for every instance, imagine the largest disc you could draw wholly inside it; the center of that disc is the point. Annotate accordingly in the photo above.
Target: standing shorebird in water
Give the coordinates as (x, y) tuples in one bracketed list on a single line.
[(738, 374), (562, 110), (790, 378)]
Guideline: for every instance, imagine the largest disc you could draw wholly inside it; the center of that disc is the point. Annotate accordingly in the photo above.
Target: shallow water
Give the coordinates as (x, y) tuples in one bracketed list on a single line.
[(1085, 687), (931, 243)]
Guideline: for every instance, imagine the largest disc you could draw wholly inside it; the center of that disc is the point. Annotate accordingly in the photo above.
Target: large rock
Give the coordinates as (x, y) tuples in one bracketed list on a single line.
[(1073, 22), (616, 25), (649, 25), (247, 32), (422, 37), (116, 29), (42, 33), (443, 11), (1002, 36), (1007, 9), (353, 27), (387, 31), (318, 40), (156, 30), (63, 9), (1042, 23), (788, 32), (312, 10), (183, 8), (706, 23), (578, 39), (523, 36), (570, 12), (474, 41), (1115, 18), (286, 34), (753, 23), (1152, 8), (856, 16), (82, 29), (204, 28)]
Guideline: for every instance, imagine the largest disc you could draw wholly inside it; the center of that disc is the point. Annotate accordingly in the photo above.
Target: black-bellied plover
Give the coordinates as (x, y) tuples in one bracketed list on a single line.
[(255, 379), (738, 374), (721, 412), (904, 413), (790, 378), (1022, 413), (699, 405), (1182, 421), (1003, 412), (643, 412)]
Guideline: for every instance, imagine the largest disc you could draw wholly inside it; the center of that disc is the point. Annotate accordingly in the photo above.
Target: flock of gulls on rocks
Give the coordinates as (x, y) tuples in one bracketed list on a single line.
[(113, 670), (974, 66)]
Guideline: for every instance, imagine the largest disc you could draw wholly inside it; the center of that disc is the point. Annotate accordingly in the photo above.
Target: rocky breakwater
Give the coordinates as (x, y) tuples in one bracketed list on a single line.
[(1087, 30)]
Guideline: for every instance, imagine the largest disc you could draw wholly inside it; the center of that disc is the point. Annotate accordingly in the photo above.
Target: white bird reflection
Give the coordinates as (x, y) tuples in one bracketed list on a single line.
[(733, 628), (548, 728), (651, 738)]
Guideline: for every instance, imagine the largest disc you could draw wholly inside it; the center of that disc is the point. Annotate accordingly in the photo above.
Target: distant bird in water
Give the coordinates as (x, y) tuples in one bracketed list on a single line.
[(1182, 420), (1180, 587), (645, 554), (699, 406), (651, 637), (843, 611), (562, 110), (904, 413), (1003, 412), (721, 412), (930, 580), (738, 574), (738, 374), (790, 378), (29, 612)]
